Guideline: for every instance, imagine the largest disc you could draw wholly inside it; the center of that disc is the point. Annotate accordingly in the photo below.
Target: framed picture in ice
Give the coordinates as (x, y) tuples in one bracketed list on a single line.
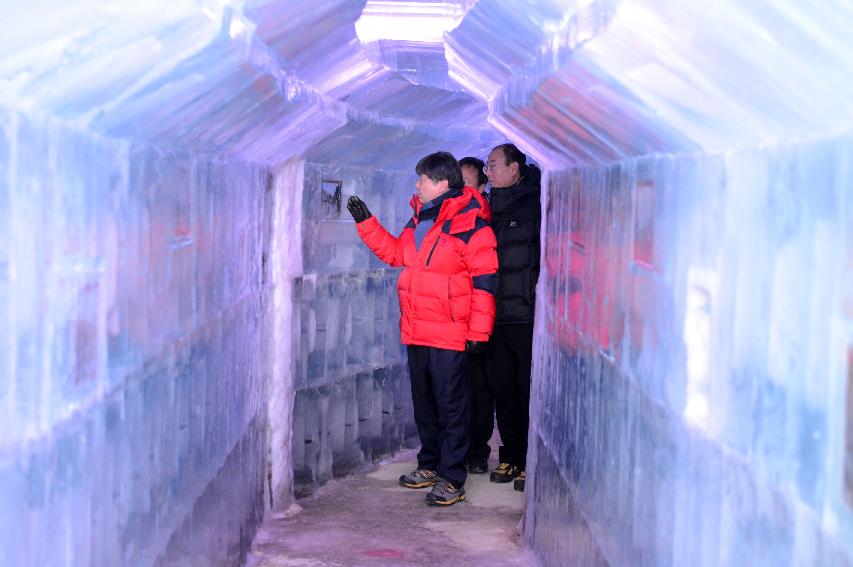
[(330, 198)]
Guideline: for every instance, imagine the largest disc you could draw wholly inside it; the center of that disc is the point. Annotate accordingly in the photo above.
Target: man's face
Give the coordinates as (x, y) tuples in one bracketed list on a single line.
[(470, 176), (429, 189), (499, 173)]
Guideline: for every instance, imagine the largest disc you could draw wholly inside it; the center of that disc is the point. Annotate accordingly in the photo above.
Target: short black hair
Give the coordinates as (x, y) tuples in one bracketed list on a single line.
[(440, 166), (513, 154), (477, 164)]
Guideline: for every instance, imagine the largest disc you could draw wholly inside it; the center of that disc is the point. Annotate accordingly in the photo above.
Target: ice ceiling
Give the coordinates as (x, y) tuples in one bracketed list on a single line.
[(379, 83)]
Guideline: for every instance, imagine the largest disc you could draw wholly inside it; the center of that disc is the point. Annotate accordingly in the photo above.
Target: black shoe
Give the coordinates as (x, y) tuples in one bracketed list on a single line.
[(444, 494), (504, 473), (419, 478), (518, 483), (478, 466)]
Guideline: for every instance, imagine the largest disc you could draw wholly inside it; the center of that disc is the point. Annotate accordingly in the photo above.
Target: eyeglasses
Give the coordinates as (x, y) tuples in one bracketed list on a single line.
[(486, 167)]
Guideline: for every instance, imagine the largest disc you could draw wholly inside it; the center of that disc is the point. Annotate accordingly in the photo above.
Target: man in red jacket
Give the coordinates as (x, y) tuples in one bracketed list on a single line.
[(447, 307)]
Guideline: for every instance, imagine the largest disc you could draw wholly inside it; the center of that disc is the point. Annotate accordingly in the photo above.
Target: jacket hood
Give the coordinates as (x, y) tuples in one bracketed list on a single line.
[(505, 198), (485, 211)]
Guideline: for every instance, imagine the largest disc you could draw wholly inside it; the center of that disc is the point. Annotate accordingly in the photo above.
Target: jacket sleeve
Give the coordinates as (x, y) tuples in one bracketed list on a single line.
[(481, 260), (386, 247)]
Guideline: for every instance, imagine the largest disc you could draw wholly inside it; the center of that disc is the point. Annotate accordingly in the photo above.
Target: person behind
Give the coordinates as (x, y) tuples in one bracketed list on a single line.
[(516, 218), (482, 402), (447, 308), (473, 174)]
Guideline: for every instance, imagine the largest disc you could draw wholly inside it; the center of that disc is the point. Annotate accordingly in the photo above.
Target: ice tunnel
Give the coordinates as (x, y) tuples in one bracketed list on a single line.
[(191, 332)]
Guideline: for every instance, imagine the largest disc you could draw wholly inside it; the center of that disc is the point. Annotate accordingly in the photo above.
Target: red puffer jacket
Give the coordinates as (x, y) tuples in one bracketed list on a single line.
[(447, 287)]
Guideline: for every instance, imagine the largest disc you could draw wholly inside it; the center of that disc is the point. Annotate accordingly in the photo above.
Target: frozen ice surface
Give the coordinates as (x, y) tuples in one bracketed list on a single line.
[(133, 388), (352, 399), (190, 329), (348, 522), (690, 359)]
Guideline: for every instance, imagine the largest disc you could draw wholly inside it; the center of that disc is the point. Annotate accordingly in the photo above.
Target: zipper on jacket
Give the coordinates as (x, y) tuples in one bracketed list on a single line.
[(450, 302), (434, 244)]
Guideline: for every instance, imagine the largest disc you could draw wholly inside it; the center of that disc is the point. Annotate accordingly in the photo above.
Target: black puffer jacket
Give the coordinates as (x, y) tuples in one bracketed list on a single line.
[(516, 218)]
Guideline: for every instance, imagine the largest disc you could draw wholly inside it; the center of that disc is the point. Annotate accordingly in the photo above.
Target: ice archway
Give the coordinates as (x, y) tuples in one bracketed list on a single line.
[(188, 327)]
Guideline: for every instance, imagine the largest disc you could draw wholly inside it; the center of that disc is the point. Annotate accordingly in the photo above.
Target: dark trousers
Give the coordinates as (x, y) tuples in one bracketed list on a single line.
[(482, 409), (510, 354), (440, 394)]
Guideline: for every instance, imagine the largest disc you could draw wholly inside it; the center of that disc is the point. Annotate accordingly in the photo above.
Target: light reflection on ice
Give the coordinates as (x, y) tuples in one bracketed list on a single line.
[(698, 321), (408, 20)]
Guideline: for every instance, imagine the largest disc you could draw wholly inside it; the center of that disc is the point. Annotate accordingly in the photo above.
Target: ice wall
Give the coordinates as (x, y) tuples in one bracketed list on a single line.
[(133, 387), (691, 361), (352, 397), (136, 203)]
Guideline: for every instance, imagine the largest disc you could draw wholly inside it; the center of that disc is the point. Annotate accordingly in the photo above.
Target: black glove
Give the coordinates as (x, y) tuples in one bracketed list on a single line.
[(475, 347), (358, 209)]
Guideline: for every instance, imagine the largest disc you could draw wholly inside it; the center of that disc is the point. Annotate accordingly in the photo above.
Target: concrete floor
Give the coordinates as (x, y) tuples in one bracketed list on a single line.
[(369, 519)]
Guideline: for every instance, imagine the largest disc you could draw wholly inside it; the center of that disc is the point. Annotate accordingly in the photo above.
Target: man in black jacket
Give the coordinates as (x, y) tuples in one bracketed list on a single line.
[(516, 218)]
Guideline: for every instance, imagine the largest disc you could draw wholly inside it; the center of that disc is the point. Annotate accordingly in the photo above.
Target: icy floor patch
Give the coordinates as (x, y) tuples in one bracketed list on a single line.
[(369, 519)]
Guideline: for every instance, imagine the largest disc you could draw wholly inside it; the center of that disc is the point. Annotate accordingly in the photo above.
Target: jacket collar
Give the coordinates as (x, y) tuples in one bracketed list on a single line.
[(452, 202), (506, 198), (449, 197)]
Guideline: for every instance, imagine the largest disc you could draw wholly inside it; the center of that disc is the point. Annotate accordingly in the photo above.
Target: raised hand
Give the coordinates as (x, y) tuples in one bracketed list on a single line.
[(358, 209)]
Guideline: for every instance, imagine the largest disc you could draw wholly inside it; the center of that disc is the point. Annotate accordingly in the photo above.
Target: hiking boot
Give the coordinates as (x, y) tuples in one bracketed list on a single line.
[(478, 466), (504, 473), (518, 483), (419, 478), (445, 494)]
